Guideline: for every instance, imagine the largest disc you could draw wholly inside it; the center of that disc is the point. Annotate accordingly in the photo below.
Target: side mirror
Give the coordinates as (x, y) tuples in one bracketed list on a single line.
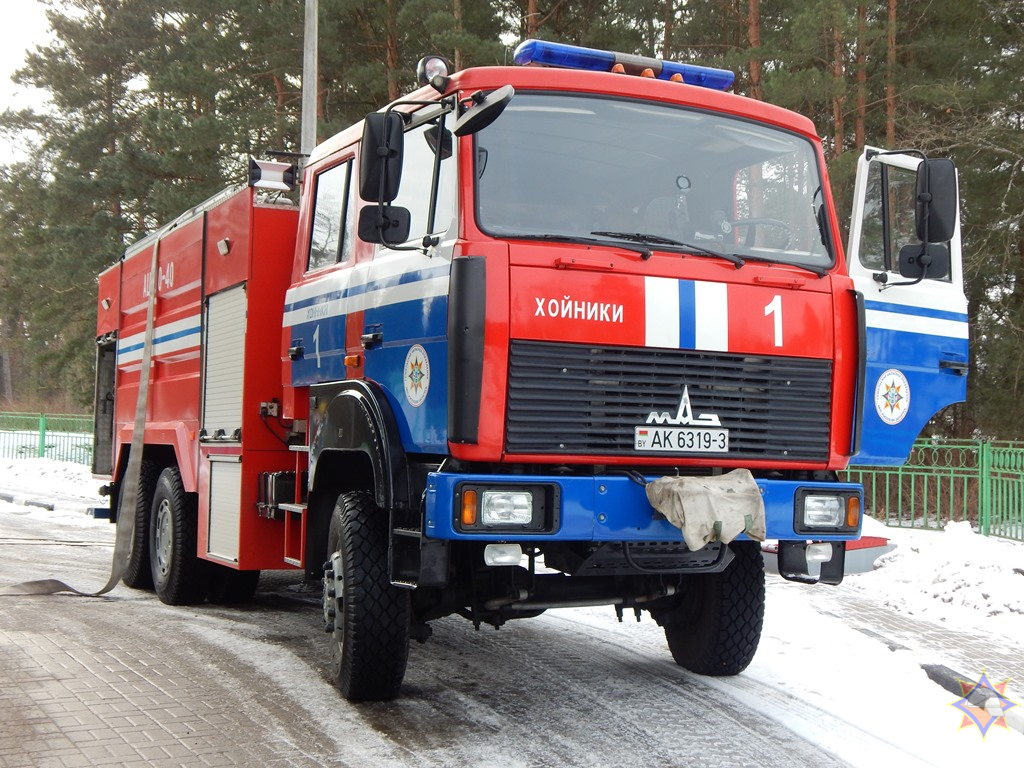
[(439, 141), (918, 261), (936, 202), (384, 224), (483, 111), (380, 164)]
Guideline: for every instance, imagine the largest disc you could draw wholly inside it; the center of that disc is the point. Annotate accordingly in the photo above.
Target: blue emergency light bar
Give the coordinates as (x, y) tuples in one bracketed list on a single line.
[(541, 52)]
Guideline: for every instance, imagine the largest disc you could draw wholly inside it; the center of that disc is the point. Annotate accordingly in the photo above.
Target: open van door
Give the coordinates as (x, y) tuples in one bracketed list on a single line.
[(906, 264)]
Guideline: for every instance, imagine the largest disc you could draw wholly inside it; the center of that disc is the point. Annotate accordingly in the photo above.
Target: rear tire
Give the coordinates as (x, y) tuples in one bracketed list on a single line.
[(367, 616), (137, 573), (715, 625), (179, 576)]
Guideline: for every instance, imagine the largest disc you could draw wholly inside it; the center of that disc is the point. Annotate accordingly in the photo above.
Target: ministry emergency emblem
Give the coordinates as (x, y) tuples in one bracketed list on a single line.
[(892, 396), (416, 375)]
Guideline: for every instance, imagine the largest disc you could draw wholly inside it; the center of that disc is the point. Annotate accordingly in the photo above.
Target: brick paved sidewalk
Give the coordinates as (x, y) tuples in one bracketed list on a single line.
[(82, 691), (1000, 657), (966, 654)]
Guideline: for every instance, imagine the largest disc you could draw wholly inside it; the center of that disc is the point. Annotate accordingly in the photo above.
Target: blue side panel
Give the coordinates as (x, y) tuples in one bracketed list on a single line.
[(915, 368), (423, 427), (323, 344), (610, 508), (400, 301), (411, 364)]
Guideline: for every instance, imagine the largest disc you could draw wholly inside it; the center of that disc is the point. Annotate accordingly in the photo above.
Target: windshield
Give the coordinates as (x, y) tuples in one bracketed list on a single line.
[(585, 167)]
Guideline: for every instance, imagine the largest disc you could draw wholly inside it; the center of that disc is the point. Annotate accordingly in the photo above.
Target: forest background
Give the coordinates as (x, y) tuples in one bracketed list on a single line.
[(156, 104)]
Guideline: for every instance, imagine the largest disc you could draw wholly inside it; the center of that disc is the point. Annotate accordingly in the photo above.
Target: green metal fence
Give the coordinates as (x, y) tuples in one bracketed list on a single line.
[(982, 482), (63, 437)]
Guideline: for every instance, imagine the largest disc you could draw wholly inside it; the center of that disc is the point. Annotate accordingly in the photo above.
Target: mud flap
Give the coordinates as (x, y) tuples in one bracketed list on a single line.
[(793, 563)]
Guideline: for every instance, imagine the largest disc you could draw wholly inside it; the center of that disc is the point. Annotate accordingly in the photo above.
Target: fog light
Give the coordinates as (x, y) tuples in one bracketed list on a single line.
[(503, 554), (506, 508), (819, 553), (823, 511)]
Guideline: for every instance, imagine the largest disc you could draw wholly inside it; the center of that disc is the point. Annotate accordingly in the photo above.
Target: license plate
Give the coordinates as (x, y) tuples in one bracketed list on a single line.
[(681, 439)]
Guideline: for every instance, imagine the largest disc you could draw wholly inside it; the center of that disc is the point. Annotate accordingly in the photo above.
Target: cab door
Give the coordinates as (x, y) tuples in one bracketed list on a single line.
[(405, 301), (915, 327)]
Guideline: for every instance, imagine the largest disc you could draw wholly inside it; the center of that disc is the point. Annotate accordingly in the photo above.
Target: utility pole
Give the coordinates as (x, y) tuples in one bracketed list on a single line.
[(307, 138)]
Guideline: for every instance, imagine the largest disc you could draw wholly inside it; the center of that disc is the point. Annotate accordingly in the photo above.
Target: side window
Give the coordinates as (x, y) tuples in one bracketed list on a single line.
[(417, 174), (889, 217), (331, 239), (872, 240)]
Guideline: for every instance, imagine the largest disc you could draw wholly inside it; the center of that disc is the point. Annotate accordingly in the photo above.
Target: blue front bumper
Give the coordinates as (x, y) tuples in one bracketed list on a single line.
[(612, 508)]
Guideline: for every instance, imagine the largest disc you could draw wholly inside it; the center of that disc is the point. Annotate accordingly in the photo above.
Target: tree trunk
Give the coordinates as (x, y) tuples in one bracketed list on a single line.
[(457, 13), (838, 85), (6, 387), (862, 76), (754, 44), (391, 56), (890, 77), (669, 19)]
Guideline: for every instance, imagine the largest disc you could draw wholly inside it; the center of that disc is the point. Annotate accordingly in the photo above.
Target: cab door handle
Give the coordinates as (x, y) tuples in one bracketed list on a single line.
[(372, 339), (956, 366)]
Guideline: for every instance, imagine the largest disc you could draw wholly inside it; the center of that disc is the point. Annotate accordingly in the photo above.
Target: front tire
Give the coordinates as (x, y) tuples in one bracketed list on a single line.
[(367, 616), (179, 576), (714, 627)]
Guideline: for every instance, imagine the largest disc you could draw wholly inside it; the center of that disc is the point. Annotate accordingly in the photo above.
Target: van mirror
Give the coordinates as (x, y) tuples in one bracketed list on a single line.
[(380, 162), (439, 140), (921, 260), (384, 224), (936, 201), (483, 110)]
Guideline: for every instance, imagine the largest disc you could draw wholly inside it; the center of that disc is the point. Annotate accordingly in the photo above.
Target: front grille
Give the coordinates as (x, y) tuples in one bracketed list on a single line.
[(574, 399)]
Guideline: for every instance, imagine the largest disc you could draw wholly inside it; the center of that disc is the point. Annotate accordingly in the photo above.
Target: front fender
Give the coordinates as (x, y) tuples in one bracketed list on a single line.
[(353, 416)]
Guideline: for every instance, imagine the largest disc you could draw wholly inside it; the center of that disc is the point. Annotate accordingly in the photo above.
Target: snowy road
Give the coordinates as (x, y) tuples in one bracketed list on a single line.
[(556, 691), (571, 688)]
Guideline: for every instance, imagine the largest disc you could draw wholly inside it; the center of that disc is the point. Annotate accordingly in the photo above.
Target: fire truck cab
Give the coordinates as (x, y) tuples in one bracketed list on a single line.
[(575, 332)]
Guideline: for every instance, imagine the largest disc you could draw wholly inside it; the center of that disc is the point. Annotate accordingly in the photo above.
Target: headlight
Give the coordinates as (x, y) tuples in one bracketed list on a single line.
[(497, 507), (823, 511), (506, 508)]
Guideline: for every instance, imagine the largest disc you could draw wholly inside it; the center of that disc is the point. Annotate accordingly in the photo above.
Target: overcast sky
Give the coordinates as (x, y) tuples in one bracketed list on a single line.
[(23, 27)]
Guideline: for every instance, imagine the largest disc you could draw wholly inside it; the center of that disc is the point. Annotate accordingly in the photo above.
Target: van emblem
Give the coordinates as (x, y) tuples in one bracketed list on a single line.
[(684, 415)]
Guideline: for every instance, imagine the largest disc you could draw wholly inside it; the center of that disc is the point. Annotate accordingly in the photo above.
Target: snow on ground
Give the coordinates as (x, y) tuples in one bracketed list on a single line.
[(50, 477), (825, 680), (954, 576), (69, 487)]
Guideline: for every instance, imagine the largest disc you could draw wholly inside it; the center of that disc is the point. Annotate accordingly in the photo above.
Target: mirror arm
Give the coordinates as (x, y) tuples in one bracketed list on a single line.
[(435, 183), (924, 260), (449, 103)]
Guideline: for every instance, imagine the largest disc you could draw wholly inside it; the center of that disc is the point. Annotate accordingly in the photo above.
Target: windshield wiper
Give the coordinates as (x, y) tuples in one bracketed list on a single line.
[(816, 270), (702, 250), (645, 253)]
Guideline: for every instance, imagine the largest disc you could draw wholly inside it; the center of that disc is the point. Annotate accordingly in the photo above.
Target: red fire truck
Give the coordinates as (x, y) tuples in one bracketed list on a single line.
[(575, 332)]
